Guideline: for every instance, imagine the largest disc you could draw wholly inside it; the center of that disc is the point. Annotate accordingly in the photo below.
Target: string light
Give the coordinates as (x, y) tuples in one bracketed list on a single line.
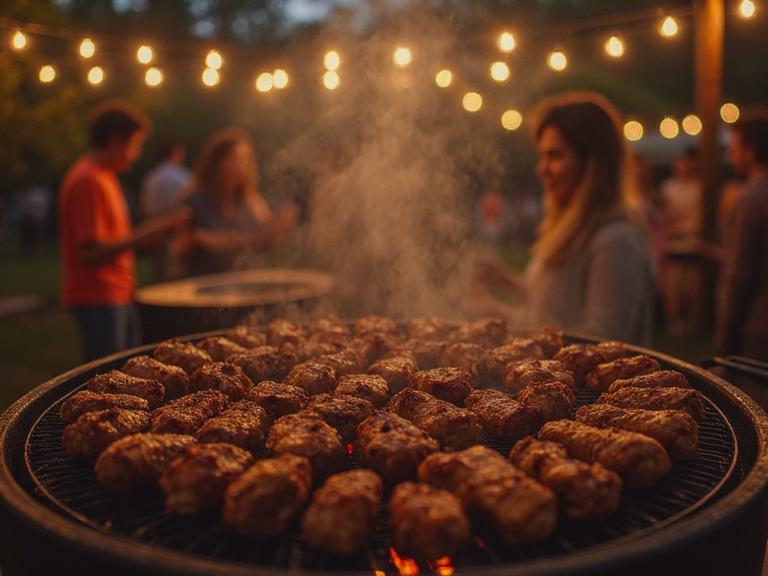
[(557, 60), (506, 42), (747, 9), (511, 120), (47, 74), (729, 112), (214, 60), (153, 76), (472, 102), (87, 48), (500, 71), (692, 125), (331, 79), (332, 60), (633, 130), (402, 56), (264, 82), (210, 77), (669, 27), (96, 75), (280, 79), (144, 54), (444, 78), (669, 128), (18, 40), (614, 47)]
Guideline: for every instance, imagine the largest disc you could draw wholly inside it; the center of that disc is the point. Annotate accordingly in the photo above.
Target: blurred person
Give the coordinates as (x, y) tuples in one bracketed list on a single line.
[(230, 217), (725, 210), (743, 299), (591, 269), (682, 203), (96, 239), (32, 212), (491, 212)]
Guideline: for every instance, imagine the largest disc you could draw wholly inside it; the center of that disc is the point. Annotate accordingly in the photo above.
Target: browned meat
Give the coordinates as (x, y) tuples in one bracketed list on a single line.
[(186, 356), (393, 447), (659, 379), (343, 512), (174, 379), (312, 348), (603, 375), (343, 362), (517, 349), (266, 362), (685, 399), (549, 340), (549, 400), (115, 382), (428, 328), (306, 434), (186, 414), (244, 424), (488, 333), (585, 490), (330, 328), (247, 336), (341, 412), (266, 498), (449, 384), (366, 386), (136, 462), (86, 401), (454, 428), (92, 432), (397, 371), (610, 350), (220, 348), (312, 377), (676, 430), (579, 359), (280, 332), (427, 353), (372, 347), (502, 416), (639, 460), (196, 479), (495, 494), (376, 325), (222, 376), (278, 399), (476, 360), (519, 375), (427, 523)]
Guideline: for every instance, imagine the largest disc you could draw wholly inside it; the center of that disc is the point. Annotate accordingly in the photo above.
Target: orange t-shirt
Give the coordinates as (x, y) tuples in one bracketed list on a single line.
[(92, 208)]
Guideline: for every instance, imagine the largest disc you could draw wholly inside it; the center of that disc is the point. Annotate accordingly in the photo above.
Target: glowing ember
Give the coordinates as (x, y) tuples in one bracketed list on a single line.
[(443, 566), (405, 566)]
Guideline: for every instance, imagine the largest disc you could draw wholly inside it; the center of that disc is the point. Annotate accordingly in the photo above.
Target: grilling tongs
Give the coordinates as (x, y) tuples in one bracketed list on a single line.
[(742, 364)]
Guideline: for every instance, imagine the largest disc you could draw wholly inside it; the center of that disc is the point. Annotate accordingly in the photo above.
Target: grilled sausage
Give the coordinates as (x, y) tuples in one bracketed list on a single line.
[(341, 412), (86, 401), (115, 382), (265, 362), (247, 336), (278, 399), (398, 371), (312, 377), (244, 424), (604, 375), (306, 434), (222, 376), (366, 386), (186, 356), (685, 399), (92, 432), (449, 384), (174, 379), (657, 379), (502, 416), (186, 414), (519, 375)]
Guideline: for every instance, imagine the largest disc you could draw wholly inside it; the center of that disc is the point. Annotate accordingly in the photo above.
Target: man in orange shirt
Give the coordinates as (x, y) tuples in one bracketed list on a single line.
[(96, 240)]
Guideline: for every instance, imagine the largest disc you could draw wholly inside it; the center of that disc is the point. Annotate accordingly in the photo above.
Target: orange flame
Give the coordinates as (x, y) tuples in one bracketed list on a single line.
[(406, 566), (443, 566)]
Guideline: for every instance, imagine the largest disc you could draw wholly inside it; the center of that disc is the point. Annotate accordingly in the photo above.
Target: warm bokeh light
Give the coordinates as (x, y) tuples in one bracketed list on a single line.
[(669, 27), (153, 76), (144, 54), (47, 74), (500, 71), (747, 8), (472, 102), (507, 42), (402, 56), (729, 112), (18, 40), (96, 75), (87, 48), (614, 47), (279, 78), (264, 82), (633, 131), (210, 77), (214, 60), (444, 78), (557, 61), (691, 125), (511, 120), (669, 128), (331, 79), (332, 60)]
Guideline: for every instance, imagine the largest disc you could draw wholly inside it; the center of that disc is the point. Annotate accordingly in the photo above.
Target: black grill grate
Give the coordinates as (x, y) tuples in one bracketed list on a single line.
[(71, 488)]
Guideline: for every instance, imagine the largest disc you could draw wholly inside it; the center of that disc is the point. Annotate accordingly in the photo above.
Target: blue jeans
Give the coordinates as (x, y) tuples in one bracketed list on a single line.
[(105, 330)]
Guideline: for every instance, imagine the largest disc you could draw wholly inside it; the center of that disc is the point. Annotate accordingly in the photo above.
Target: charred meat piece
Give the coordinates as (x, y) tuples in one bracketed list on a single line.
[(312, 377), (196, 479), (639, 460), (244, 424), (610, 350), (265, 499), (585, 490), (484, 369), (428, 328), (676, 430), (657, 379), (488, 332), (397, 371), (343, 362), (450, 384), (427, 353), (186, 356), (280, 332), (366, 386), (495, 494), (519, 375), (685, 399), (372, 347), (278, 399), (393, 447), (222, 376), (550, 401), (427, 523), (220, 348), (329, 329), (341, 412), (86, 401), (549, 340), (343, 512), (312, 348), (603, 375), (306, 434), (265, 362), (247, 336), (174, 379), (92, 432), (186, 414), (515, 350), (579, 359), (115, 382), (502, 416), (376, 325), (455, 428), (136, 462)]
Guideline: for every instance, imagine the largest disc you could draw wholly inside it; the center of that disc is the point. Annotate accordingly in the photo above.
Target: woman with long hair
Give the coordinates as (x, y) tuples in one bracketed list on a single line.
[(591, 268)]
